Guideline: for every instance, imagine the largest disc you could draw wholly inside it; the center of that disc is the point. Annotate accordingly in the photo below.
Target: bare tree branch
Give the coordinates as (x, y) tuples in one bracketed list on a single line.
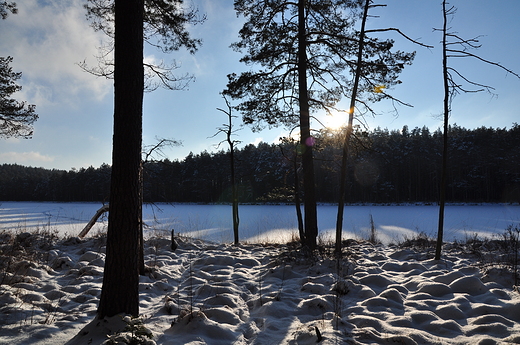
[(402, 34), (162, 143)]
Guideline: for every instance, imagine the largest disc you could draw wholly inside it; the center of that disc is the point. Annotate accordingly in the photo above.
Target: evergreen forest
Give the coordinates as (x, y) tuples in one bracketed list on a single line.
[(385, 166)]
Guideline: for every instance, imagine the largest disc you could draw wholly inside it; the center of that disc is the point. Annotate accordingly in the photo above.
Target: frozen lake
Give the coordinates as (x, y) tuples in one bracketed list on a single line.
[(275, 223)]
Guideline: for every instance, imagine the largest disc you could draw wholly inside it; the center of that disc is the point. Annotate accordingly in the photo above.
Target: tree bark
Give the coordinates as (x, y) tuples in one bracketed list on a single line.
[(234, 191), (306, 140), (141, 231), (297, 202), (348, 133), (444, 170), (120, 290)]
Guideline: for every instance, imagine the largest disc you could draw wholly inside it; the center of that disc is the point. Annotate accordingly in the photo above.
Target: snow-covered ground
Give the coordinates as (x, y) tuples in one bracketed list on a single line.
[(273, 223), (218, 294)]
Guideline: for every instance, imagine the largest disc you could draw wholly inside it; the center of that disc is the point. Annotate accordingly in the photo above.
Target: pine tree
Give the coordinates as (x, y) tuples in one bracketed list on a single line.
[(16, 118), (120, 290), (305, 51)]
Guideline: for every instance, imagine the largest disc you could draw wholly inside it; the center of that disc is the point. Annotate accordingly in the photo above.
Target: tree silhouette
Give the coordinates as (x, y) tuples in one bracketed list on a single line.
[(165, 29), (6, 7), (299, 46), (305, 50), (228, 130), (16, 118), (372, 77), (454, 46), (122, 259)]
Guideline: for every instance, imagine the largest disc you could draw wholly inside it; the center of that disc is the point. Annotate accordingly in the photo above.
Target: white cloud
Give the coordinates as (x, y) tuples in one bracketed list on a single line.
[(47, 40), (24, 157), (257, 141)]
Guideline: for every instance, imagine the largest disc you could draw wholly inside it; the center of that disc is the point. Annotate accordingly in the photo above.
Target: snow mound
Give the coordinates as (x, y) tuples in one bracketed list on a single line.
[(213, 294)]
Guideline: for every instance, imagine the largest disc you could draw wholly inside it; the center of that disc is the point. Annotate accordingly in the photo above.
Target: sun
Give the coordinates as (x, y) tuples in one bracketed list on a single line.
[(336, 120)]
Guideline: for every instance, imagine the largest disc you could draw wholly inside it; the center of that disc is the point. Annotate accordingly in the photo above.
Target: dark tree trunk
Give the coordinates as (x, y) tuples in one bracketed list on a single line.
[(444, 170), (348, 133), (307, 141), (297, 202), (120, 291), (234, 192), (228, 129), (141, 233)]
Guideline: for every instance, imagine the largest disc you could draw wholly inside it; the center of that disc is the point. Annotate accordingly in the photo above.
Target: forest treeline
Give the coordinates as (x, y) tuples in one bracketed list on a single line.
[(385, 166)]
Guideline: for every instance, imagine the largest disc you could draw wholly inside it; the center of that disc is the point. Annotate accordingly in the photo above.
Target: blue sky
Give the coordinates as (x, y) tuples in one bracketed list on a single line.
[(48, 38)]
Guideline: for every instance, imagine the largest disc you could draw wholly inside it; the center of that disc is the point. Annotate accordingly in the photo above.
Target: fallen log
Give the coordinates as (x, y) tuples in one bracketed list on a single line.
[(93, 221)]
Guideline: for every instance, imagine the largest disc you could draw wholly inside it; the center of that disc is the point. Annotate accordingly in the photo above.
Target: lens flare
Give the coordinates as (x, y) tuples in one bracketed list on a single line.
[(310, 141), (379, 88)]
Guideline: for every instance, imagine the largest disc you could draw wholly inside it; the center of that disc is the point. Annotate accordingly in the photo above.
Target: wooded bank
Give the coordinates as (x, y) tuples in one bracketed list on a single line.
[(385, 166)]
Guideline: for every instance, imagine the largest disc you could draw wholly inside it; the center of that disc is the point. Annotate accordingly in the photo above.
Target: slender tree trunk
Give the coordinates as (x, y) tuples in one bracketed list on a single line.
[(297, 202), (234, 192), (120, 290), (141, 232), (348, 133), (307, 141), (444, 169)]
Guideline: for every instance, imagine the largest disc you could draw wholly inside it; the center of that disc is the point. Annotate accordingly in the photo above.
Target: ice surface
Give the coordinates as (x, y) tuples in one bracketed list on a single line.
[(271, 223)]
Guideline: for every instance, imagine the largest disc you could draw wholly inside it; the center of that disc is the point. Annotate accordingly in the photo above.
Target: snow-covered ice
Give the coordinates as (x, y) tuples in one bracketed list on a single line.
[(271, 223)]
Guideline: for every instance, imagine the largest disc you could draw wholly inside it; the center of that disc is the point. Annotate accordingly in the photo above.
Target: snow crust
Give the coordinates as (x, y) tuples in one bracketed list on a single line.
[(210, 293)]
